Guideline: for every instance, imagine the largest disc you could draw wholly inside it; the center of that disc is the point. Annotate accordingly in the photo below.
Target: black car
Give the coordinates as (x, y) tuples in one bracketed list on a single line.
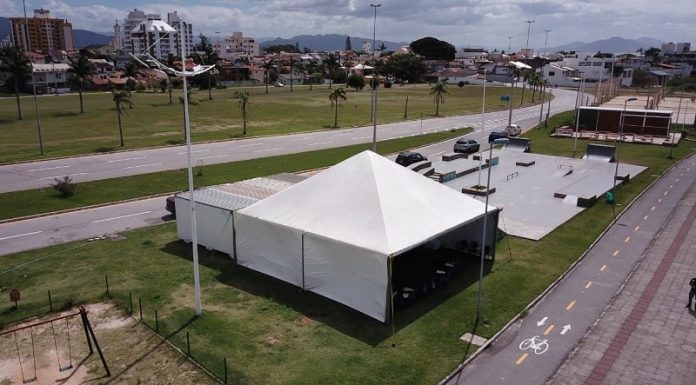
[(497, 135), (466, 146), (408, 158)]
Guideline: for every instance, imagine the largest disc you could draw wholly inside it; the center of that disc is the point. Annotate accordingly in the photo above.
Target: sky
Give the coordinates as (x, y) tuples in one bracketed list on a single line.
[(473, 23)]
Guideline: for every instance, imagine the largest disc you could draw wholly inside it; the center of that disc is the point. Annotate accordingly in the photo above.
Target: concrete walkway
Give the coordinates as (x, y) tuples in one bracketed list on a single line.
[(646, 335)]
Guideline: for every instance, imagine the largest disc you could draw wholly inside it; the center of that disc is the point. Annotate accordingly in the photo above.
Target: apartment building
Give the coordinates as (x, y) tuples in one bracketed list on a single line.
[(155, 37), (181, 27), (237, 46), (42, 33)]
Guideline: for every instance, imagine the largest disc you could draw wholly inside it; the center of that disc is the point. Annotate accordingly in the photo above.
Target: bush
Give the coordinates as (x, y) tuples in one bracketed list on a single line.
[(140, 87), (461, 84), (64, 186), (355, 81), (387, 84)]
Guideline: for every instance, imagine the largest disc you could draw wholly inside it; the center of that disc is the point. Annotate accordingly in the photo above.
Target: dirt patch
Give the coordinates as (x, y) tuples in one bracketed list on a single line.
[(134, 353)]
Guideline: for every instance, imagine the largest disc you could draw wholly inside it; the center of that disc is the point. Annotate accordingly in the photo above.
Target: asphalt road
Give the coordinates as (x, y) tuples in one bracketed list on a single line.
[(532, 348), (31, 175)]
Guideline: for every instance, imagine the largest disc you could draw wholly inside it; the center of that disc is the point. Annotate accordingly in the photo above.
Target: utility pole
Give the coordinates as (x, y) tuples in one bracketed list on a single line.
[(509, 42), (526, 48), (546, 40)]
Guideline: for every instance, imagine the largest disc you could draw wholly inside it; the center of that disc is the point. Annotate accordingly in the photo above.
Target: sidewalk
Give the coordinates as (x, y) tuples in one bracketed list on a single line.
[(646, 335)]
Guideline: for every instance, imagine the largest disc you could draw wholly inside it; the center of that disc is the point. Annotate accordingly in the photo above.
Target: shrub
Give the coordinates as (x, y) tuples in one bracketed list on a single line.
[(387, 84), (64, 186), (461, 84)]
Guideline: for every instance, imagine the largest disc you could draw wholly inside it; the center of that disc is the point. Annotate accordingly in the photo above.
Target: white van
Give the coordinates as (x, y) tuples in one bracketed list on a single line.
[(513, 129)]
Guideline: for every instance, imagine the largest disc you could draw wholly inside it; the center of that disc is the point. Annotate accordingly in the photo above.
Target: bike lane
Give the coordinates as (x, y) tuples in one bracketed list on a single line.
[(561, 318)]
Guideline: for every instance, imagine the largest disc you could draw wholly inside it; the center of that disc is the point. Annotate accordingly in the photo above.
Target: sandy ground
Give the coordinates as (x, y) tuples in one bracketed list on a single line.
[(134, 353), (683, 110)]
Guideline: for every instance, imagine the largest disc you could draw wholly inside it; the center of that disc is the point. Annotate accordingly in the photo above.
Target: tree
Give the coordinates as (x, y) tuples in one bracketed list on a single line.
[(331, 65), (82, 70), (208, 57), (267, 66), (653, 54), (405, 67), (433, 49), (243, 97), (120, 98), (356, 81), (16, 66), (277, 48), (438, 90), (336, 97), (131, 71)]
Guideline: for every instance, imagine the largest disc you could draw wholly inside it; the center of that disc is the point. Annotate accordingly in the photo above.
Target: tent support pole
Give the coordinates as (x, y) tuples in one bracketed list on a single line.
[(303, 273), (391, 296), (234, 239)]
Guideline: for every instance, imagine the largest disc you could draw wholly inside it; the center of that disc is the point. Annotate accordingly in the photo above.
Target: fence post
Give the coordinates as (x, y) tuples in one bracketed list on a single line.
[(156, 322), (50, 301), (130, 300), (106, 279), (140, 303), (224, 359), (188, 344)]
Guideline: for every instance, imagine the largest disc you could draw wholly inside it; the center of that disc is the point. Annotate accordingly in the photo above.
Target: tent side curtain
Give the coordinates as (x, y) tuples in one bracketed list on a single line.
[(353, 276), (269, 248)]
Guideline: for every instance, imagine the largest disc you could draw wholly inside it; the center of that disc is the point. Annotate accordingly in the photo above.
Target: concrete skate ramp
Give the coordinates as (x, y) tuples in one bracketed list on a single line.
[(600, 152), (519, 144)]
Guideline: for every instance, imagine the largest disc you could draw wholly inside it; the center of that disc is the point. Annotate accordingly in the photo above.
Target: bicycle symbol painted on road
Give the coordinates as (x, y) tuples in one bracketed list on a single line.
[(535, 343)]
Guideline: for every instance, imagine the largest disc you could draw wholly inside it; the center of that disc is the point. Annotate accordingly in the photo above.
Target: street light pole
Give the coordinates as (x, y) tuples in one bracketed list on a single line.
[(616, 150), (577, 112), (546, 40), (33, 79), (512, 90), (485, 226), (529, 26), (483, 121), (509, 42), (375, 82)]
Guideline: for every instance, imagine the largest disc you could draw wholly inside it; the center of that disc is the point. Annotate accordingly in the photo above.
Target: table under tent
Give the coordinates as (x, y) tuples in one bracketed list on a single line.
[(339, 233)]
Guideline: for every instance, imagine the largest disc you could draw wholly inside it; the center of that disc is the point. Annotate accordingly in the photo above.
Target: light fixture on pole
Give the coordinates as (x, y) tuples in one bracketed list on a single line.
[(483, 121), (375, 80), (526, 48), (27, 39), (616, 150), (577, 112), (485, 226), (546, 40), (196, 70)]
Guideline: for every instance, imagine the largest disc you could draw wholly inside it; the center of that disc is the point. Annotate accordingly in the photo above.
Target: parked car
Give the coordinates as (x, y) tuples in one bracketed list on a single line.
[(408, 158), (513, 129), (497, 135), (466, 146)]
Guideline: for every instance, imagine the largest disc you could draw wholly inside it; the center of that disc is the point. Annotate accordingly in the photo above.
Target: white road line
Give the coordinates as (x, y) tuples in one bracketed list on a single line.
[(437, 153), (121, 217), (212, 156), (318, 143), (48, 168), (362, 137), (269, 149), (297, 140), (402, 132), (143, 165), (250, 145), (123, 160), (186, 152), (20, 235), (60, 176)]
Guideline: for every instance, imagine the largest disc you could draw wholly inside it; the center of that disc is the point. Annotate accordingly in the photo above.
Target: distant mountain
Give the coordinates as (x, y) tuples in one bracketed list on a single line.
[(4, 27), (612, 44), (84, 38), (330, 42)]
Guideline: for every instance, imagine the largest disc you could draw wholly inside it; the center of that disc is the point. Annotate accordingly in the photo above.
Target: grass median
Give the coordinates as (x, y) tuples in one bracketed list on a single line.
[(271, 333), (45, 200)]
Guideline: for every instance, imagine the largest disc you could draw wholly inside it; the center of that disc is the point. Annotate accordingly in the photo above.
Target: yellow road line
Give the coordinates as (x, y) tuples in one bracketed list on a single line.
[(521, 359), (670, 186), (636, 228), (549, 329), (616, 252), (676, 180), (645, 218), (652, 208), (604, 267), (589, 283), (659, 200), (627, 239), (571, 304), (665, 193)]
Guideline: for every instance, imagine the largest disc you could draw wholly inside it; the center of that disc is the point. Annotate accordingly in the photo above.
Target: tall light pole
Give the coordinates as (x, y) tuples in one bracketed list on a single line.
[(485, 225), (33, 78), (577, 112), (375, 82), (529, 26), (546, 40), (512, 90), (509, 42), (616, 150), (483, 121)]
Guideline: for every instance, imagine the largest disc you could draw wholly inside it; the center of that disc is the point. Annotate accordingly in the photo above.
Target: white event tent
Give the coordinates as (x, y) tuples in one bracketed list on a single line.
[(337, 232)]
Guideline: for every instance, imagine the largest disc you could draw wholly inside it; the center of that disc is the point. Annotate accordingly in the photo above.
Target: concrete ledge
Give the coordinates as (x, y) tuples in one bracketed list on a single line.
[(525, 164), (478, 190), (450, 156)]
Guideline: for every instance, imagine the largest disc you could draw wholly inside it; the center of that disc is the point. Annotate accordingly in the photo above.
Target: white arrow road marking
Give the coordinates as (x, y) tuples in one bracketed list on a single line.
[(565, 329), (542, 321)]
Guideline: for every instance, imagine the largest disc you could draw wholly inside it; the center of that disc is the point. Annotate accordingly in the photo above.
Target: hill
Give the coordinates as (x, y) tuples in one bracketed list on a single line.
[(612, 44), (329, 42)]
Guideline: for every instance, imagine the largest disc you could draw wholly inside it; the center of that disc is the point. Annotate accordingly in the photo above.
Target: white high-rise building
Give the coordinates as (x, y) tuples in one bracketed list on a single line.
[(154, 36), (181, 26), (116, 40), (134, 18), (237, 46)]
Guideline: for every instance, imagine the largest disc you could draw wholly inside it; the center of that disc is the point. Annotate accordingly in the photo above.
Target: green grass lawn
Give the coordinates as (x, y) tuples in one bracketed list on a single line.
[(154, 122), (272, 333)]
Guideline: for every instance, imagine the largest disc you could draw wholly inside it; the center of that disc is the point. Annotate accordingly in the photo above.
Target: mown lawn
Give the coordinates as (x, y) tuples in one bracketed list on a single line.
[(272, 333), (154, 122)]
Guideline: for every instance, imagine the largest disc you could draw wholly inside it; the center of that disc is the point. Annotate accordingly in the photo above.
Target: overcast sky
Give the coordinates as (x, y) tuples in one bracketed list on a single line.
[(476, 23)]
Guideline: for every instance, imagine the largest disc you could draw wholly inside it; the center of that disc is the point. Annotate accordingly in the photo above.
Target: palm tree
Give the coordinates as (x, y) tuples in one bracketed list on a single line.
[(312, 69), (82, 70), (120, 97), (267, 65), (16, 65), (191, 102), (243, 97), (525, 76), (336, 97), (439, 90), (331, 64), (534, 80)]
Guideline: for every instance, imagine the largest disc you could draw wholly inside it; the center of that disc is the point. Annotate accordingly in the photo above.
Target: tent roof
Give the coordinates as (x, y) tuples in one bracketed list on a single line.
[(370, 202)]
